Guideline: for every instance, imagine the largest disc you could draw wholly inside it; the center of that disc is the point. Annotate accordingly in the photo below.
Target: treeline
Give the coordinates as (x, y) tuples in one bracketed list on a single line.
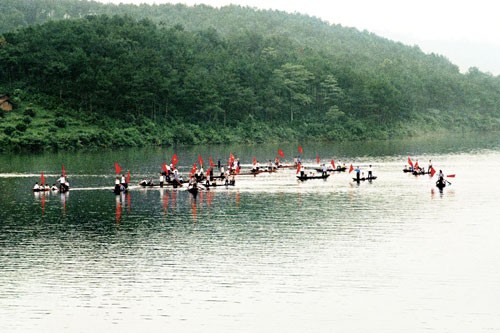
[(165, 82)]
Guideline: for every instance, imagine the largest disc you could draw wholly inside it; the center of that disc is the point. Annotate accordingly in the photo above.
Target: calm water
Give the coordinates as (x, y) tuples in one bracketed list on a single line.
[(269, 255)]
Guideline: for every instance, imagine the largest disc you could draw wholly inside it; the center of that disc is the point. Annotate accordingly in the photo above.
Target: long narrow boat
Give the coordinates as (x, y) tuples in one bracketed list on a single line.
[(217, 185), (340, 169), (365, 178), (41, 189), (307, 177)]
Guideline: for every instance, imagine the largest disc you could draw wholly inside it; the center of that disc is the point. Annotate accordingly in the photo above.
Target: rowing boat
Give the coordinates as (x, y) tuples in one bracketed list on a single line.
[(338, 169), (307, 177), (364, 178)]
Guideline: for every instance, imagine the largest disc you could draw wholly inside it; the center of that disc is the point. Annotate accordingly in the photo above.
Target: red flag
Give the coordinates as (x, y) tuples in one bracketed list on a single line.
[(301, 151), (416, 165), (164, 167), (193, 170), (211, 162), (410, 163), (317, 158), (451, 176), (254, 161), (433, 172), (63, 172), (351, 168), (42, 179), (333, 163), (238, 169), (298, 167), (281, 153), (118, 170), (200, 160), (127, 179), (208, 173), (231, 158), (175, 160)]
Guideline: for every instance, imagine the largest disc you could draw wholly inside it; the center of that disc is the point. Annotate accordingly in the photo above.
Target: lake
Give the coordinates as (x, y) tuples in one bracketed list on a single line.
[(271, 254)]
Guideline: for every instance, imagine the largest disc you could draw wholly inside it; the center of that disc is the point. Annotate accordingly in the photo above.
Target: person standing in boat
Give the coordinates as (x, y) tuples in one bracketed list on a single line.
[(63, 187), (222, 172), (117, 185), (123, 181), (358, 173), (302, 171), (370, 171), (162, 179), (323, 169), (429, 166)]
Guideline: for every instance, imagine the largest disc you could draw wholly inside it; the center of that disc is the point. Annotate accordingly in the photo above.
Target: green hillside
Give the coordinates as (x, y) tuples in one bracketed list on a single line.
[(83, 74)]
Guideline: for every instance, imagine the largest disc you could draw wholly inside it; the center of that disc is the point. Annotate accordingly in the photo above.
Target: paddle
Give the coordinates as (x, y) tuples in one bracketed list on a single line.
[(449, 176)]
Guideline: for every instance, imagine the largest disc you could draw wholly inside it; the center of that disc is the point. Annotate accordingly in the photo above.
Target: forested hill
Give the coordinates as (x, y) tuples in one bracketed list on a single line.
[(82, 73)]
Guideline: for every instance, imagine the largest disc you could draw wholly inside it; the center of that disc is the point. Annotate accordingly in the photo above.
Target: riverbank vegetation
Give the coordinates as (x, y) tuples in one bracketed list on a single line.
[(172, 74)]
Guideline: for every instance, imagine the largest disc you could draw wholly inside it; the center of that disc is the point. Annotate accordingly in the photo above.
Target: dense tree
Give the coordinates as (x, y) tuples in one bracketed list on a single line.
[(176, 70)]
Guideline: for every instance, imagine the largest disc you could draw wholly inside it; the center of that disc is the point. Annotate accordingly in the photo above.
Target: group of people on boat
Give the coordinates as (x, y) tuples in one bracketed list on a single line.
[(360, 175), (416, 169), (61, 185), (121, 184)]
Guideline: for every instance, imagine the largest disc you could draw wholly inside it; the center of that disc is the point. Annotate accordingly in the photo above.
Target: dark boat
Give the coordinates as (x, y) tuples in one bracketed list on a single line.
[(440, 184), (338, 169), (364, 178), (41, 189), (307, 177), (287, 166), (214, 184)]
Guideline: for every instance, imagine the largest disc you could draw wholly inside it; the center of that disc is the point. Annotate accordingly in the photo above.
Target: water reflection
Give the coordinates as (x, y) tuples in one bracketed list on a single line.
[(268, 254)]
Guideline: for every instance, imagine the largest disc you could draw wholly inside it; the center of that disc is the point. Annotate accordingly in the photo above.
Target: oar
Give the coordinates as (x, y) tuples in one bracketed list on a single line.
[(449, 176)]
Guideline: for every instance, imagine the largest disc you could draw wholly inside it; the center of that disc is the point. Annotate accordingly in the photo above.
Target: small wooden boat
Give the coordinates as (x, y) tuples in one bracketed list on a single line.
[(418, 173), (362, 179), (230, 183), (440, 184), (338, 169), (307, 177), (41, 189), (287, 166)]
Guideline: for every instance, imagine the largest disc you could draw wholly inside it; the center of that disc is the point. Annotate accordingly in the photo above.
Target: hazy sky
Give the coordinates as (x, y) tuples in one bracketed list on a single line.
[(466, 32)]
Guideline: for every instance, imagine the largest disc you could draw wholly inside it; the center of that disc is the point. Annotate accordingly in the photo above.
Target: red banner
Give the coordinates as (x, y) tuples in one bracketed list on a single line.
[(301, 151), (281, 153), (175, 160), (118, 169), (333, 163), (193, 170)]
